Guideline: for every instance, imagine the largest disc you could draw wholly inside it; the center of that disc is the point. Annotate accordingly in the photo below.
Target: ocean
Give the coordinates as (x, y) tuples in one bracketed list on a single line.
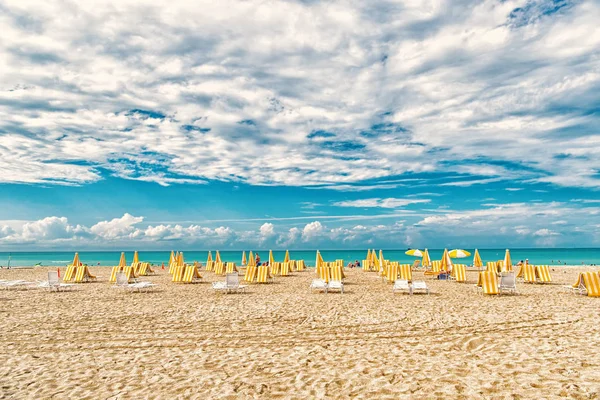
[(110, 258)]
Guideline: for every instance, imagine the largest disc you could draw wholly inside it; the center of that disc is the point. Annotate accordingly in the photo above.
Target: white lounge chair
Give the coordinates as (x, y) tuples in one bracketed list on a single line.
[(508, 283), (123, 283), (231, 284), (54, 283), (319, 284), (420, 286), (401, 285), (335, 285), (16, 284)]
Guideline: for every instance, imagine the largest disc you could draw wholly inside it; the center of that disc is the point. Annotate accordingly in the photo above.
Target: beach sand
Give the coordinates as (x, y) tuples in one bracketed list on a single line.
[(282, 341)]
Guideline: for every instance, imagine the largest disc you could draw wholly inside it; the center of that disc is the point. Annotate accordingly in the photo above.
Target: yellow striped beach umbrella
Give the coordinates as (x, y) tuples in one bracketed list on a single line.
[(209, 256), (458, 253), (319, 260), (381, 259), (287, 256), (180, 259), (136, 258), (271, 258), (374, 258), (477, 260), (244, 261), (251, 260), (218, 257), (172, 258), (122, 262), (76, 261), (426, 259)]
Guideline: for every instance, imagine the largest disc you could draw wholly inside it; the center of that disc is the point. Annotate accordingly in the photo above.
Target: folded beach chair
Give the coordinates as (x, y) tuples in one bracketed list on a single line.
[(144, 269), (406, 272), (300, 265), (436, 268), (264, 275), (529, 273), (210, 265), (335, 285), (489, 282), (191, 274), (250, 274), (285, 269), (231, 268), (219, 268), (419, 286), (459, 273), (577, 287), (401, 285), (69, 273), (591, 282), (508, 283), (83, 275), (319, 284), (392, 273), (416, 264), (492, 267), (178, 271), (336, 273), (542, 273), (54, 283)]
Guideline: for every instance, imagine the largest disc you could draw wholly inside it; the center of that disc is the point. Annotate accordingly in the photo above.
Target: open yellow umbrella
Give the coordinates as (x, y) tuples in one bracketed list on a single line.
[(76, 261), (218, 257), (458, 253), (209, 256), (244, 261), (414, 253), (136, 258), (251, 260), (477, 260), (426, 259), (271, 258), (507, 261), (446, 262), (287, 256), (122, 262)]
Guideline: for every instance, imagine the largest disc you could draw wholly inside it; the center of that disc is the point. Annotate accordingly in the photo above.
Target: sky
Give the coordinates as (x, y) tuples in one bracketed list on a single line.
[(299, 124)]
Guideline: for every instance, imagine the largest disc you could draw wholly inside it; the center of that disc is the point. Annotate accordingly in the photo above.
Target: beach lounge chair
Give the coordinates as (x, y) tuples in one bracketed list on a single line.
[(53, 283), (300, 265), (264, 275), (508, 283), (250, 274), (542, 273), (83, 275), (392, 273), (577, 287), (405, 272), (419, 286), (416, 264), (123, 283), (16, 284), (401, 285), (436, 268), (285, 269), (145, 269), (488, 282), (336, 273), (231, 268), (231, 284), (69, 273), (335, 285), (319, 284), (219, 268)]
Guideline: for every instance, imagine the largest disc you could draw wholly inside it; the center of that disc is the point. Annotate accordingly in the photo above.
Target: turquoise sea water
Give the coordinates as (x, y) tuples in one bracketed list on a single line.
[(107, 258)]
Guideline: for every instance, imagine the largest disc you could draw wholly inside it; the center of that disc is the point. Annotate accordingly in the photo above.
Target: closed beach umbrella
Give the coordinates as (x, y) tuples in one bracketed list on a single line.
[(218, 257), (374, 255), (381, 259), (319, 260), (172, 258), (414, 253), (446, 262), (477, 260), (507, 261), (426, 260), (271, 258), (136, 258), (180, 259), (76, 261), (209, 257), (122, 262), (287, 256), (244, 261), (458, 253), (251, 260)]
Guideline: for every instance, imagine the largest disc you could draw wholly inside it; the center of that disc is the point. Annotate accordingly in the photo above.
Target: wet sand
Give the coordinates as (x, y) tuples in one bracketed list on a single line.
[(282, 341)]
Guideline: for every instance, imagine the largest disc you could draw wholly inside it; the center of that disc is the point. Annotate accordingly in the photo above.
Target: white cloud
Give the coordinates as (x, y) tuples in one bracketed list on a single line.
[(380, 203), (545, 232), (117, 228), (351, 93), (311, 230)]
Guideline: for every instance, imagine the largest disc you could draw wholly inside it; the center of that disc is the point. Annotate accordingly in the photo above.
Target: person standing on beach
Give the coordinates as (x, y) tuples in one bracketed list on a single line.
[(257, 260)]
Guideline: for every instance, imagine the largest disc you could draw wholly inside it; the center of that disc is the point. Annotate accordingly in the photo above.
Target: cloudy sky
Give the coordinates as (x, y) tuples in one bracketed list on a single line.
[(300, 124)]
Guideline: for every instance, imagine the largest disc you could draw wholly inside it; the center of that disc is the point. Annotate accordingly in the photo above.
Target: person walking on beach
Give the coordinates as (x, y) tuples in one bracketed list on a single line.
[(257, 259)]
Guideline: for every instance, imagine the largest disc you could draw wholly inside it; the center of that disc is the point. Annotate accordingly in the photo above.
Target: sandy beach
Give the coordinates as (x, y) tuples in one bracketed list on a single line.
[(282, 341)]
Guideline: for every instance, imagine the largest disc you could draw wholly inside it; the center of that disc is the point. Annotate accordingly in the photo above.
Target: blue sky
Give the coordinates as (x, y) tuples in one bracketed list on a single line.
[(299, 124)]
